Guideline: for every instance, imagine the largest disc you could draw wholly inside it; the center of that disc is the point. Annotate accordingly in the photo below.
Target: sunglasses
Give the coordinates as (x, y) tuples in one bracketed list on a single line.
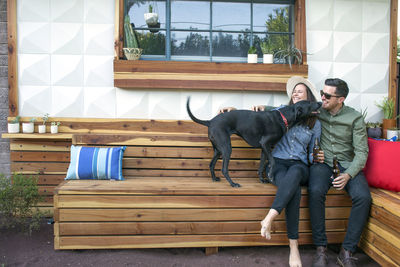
[(328, 96)]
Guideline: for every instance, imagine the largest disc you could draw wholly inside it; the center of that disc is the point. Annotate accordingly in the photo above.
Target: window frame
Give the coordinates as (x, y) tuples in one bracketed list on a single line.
[(149, 74), (168, 29)]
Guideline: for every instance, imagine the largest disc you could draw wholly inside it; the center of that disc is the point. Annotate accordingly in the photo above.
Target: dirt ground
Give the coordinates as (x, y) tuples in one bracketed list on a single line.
[(17, 249)]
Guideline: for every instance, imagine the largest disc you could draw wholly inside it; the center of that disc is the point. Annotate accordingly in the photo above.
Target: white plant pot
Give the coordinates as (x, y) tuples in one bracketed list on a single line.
[(268, 58), (28, 127), (13, 127), (151, 18), (42, 129), (391, 133), (54, 129), (251, 58)]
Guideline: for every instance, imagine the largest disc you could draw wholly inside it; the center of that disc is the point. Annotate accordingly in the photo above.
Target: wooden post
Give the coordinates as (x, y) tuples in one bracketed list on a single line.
[(12, 58), (211, 251)]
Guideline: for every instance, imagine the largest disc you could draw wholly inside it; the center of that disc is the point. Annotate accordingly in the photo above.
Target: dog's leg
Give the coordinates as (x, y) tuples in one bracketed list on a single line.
[(261, 168), (226, 156), (214, 160), (266, 148)]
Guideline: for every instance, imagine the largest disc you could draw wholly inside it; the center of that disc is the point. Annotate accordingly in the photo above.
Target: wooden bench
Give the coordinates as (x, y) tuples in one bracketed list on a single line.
[(381, 236), (169, 200)]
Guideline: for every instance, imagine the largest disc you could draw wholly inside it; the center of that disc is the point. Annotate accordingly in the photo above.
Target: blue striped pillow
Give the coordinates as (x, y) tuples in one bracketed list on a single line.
[(97, 163)]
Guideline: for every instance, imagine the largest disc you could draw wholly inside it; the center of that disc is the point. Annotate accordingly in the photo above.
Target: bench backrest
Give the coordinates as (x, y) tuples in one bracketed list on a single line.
[(173, 154)]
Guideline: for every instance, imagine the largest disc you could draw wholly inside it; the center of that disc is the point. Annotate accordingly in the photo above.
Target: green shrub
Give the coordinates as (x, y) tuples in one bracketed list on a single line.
[(18, 203)]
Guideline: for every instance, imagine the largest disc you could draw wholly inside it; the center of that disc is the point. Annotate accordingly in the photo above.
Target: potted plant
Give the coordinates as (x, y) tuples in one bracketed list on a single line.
[(389, 120), (13, 126), (131, 49), (392, 132), (29, 127), (374, 129), (268, 55), (54, 127), (151, 19), (290, 55), (252, 55), (42, 127)]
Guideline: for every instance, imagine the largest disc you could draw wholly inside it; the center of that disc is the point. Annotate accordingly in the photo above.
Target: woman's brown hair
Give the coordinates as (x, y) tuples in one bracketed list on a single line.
[(310, 122)]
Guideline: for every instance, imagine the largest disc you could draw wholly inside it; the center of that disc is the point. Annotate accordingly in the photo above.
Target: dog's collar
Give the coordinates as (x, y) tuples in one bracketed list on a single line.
[(284, 120)]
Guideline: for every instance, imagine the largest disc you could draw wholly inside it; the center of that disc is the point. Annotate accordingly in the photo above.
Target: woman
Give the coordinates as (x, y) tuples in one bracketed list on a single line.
[(292, 154)]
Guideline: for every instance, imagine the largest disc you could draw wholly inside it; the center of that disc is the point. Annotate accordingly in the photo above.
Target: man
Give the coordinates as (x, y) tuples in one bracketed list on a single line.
[(344, 136)]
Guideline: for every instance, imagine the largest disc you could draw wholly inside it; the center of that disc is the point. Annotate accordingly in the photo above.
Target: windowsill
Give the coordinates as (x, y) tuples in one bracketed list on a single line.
[(146, 74), (58, 136)]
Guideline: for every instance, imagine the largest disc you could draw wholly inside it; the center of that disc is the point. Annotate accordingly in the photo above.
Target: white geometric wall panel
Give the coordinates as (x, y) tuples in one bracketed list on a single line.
[(65, 62), (357, 34)]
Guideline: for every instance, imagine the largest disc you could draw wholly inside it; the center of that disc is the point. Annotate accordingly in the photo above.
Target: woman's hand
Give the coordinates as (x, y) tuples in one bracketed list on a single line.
[(258, 108), (226, 109), (320, 157)]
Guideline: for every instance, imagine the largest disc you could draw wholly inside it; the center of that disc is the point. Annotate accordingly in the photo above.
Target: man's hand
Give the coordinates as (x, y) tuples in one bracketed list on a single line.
[(340, 182), (227, 109), (258, 108)]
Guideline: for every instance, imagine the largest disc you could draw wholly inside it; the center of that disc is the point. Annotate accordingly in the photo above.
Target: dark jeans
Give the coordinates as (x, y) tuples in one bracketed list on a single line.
[(357, 188), (289, 175)]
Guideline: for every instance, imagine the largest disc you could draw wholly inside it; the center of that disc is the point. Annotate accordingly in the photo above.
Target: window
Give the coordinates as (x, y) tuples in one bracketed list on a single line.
[(217, 31)]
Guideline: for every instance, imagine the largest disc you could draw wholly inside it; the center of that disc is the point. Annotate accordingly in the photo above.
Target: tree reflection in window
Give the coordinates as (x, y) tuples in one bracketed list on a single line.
[(212, 31)]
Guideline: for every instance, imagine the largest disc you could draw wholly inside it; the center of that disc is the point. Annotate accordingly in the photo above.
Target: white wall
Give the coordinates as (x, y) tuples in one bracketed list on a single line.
[(65, 54)]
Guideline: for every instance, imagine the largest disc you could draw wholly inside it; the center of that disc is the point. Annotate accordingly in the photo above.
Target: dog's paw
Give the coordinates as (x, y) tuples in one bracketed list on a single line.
[(235, 185), (264, 181), (216, 179)]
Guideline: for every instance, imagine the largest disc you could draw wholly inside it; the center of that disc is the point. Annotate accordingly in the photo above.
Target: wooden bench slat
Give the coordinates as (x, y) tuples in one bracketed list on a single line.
[(168, 228), (187, 152), (42, 145), (376, 254), (152, 163), (171, 186), (382, 199), (157, 201), (220, 214), (152, 241), (187, 174), (40, 156)]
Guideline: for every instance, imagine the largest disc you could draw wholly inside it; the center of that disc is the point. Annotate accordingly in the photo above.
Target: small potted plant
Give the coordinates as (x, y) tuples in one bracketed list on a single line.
[(374, 129), (131, 49), (268, 55), (389, 119), (151, 19), (13, 126), (290, 55), (392, 132), (42, 127), (252, 55), (54, 127), (29, 127)]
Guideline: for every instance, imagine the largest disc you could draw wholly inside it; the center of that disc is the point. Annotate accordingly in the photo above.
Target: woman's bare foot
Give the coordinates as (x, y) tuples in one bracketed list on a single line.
[(294, 257), (266, 224)]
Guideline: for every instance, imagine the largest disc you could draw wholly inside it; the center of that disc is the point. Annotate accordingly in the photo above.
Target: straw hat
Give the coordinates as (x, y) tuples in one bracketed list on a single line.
[(295, 80)]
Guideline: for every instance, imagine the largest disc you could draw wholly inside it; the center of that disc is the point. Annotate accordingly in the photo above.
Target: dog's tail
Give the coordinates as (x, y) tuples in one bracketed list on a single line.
[(206, 123)]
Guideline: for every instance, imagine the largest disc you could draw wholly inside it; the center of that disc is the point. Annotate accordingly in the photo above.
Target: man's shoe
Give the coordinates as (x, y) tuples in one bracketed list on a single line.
[(320, 258), (346, 259)]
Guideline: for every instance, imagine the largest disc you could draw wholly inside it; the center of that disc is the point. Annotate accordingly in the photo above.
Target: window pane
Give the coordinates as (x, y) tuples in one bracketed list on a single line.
[(231, 16), (190, 43), (152, 43), (274, 42), (272, 18), (230, 44), (190, 15), (139, 8)]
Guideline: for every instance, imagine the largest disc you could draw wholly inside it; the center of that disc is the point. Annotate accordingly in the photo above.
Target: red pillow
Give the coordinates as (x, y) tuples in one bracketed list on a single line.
[(382, 169)]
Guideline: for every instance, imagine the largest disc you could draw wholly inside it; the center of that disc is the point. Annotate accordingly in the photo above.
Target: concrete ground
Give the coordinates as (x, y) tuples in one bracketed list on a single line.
[(17, 249)]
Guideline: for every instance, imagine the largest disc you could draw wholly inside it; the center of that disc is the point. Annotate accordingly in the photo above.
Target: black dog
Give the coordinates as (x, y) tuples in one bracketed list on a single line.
[(258, 129)]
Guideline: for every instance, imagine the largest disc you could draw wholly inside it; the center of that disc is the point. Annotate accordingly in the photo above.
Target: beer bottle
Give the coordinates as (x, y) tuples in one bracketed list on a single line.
[(335, 170), (316, 150)]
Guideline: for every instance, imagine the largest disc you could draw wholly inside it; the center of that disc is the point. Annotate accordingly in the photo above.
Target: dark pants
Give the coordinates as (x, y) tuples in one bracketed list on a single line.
[(289, 175), (357, 188)]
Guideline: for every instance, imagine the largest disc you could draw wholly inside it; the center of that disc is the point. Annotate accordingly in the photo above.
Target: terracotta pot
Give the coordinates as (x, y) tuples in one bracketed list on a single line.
[(387, 124)]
